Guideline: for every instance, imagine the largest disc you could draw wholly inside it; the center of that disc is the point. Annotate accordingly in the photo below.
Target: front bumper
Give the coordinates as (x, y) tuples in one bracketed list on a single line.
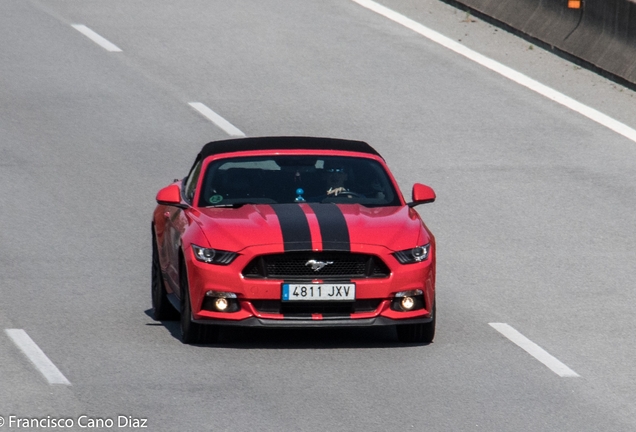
[(252, 292)]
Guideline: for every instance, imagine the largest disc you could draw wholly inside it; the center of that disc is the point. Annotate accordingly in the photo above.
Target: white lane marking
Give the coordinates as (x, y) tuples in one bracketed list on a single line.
[(228, 127), (33, 352), (505, 71), (534, 350), (107, 45)]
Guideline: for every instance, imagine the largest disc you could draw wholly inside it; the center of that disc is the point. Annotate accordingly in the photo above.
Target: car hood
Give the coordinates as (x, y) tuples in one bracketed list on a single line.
[(311, 227)]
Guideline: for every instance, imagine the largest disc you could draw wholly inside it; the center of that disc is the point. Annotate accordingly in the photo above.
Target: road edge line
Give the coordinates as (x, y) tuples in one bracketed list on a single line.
[(501, 69)]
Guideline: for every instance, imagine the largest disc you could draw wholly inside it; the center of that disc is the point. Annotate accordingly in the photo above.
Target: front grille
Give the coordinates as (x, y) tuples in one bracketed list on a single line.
[(298, 265), (306, 309)]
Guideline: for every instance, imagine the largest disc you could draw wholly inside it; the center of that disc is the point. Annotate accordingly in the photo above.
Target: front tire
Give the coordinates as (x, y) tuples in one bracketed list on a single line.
[(417, 333), (191, 332), (162, 310)]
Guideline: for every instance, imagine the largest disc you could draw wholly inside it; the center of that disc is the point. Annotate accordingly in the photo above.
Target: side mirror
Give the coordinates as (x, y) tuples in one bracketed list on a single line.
[(422, 194), (170, 195)]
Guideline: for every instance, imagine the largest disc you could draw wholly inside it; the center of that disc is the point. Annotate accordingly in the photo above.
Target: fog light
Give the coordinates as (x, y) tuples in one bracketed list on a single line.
[(221, 304), (220, 301), (407, 303)]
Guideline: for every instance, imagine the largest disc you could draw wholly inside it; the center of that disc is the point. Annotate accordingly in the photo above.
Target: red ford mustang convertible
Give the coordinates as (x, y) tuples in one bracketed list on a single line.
[(292, 232)]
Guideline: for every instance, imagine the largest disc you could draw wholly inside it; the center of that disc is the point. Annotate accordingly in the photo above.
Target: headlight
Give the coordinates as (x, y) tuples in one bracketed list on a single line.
[(213, 256), (415, 255)]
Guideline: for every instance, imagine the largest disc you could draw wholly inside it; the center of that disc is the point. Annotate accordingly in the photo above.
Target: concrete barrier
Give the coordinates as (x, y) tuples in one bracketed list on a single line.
[(601, 35)]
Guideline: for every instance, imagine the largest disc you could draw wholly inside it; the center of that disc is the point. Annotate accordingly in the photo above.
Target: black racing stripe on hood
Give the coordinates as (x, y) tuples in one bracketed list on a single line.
[(333, 227), (294, 226)]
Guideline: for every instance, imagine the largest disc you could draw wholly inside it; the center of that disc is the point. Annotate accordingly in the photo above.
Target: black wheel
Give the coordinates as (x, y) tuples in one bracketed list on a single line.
[(191, 332), (417, 333), (162, 310)]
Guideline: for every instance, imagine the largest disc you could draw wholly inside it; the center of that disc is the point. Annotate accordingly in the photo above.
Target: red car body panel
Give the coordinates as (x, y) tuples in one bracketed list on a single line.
[(254, 230)]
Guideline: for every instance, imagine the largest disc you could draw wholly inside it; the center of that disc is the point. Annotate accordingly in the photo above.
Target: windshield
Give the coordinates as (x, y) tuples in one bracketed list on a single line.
[(296, 179)]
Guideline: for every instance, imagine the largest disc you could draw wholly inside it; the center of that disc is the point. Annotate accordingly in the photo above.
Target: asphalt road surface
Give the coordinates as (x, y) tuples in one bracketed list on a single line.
[(534, 219)]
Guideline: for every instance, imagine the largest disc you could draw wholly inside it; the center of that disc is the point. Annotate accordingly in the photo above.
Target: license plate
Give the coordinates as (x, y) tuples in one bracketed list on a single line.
[(319, 292)]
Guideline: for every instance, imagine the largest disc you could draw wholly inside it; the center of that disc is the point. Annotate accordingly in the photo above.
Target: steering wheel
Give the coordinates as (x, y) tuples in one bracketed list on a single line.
[(352, 194), (348, 194)]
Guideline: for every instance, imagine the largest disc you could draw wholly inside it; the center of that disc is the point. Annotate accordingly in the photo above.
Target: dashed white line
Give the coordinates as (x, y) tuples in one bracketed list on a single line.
[(33, 352), (499, 68), (99, 40), (534, 350), (228, 127)]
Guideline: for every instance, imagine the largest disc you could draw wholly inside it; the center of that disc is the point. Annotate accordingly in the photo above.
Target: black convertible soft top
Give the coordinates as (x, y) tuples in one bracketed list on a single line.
[(284, 143)]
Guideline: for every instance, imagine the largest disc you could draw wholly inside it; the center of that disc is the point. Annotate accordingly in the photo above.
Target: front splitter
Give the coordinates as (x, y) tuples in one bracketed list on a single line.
[(331, 322)]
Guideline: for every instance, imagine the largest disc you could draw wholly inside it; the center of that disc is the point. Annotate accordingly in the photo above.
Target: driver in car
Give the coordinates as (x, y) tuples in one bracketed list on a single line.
[(336, 178)]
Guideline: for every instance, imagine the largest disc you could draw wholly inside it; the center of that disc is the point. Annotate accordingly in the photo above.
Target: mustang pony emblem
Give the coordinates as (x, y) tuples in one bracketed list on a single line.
[(317, 265)]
